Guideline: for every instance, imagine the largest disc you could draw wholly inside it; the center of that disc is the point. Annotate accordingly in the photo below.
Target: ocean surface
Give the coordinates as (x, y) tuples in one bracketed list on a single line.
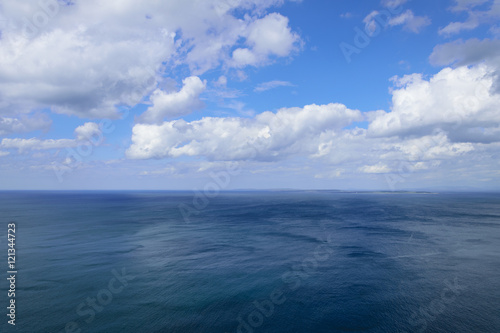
[(305, 261)]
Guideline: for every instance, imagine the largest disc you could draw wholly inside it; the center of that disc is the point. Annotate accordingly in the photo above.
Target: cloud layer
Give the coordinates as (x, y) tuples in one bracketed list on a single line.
[(268, 136), (433, 122), (85, 58)]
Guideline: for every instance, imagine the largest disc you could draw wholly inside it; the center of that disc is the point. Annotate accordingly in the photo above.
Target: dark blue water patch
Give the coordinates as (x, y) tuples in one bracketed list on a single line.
[(342, 262)]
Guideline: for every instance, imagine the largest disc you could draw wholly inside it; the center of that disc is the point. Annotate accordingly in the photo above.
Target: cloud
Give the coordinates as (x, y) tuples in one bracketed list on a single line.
[(266, 37), (393, 3), (175, 104), (87, 132), (470, 52), (24, 124), (271, 85), (268, 136), (169, 170), (463, 5), (370, 23), (464, 53), (436, 146), (92, 56), (410, 22), (475, 18), (458, 101), (36, 144), (377, 168), (221, 81), (456, 27), (433, 124)]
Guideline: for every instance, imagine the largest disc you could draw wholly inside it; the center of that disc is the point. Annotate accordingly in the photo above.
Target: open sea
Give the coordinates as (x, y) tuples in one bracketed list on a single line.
[(271, 261)]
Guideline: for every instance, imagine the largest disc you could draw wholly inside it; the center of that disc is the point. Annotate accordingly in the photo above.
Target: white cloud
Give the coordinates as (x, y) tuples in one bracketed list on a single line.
[(454, 100), (36, 144), (463, 5), (87, 133), (169, 170), (268, 136), (271, 35), (91, 56), (271, 85), (377, 168), (393, 3), (221, 81), (456, 27), (410, 22), (495, 31), (463, 53), (24, 124), (244, 57), (175, 104), (470, 52), (432, 147), (266, 37), (432, 125), (75, 72), (476, 17), (370, 24)]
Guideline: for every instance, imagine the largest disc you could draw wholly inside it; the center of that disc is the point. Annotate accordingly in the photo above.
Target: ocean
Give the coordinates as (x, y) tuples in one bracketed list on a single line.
[(270, 261)]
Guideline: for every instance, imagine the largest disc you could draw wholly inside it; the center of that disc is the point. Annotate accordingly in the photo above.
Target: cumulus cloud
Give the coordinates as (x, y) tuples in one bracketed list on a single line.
[(87, 131), (458, 101), (436, 146), (266, 37), (175, 104), (87, 57), (470, 52), (433, 123), (268, 136)]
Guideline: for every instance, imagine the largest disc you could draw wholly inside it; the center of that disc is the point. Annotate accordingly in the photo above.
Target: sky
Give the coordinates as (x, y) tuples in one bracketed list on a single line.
[(214, 95)]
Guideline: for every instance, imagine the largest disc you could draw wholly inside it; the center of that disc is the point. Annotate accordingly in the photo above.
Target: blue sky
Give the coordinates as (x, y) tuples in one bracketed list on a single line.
[(386, 95)]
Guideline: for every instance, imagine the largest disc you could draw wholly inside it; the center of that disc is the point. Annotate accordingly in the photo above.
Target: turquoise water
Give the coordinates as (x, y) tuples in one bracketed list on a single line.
[(314, 261)]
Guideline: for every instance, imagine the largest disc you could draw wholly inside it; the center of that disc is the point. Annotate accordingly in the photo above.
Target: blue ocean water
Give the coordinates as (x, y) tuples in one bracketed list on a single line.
[(305, 261)]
